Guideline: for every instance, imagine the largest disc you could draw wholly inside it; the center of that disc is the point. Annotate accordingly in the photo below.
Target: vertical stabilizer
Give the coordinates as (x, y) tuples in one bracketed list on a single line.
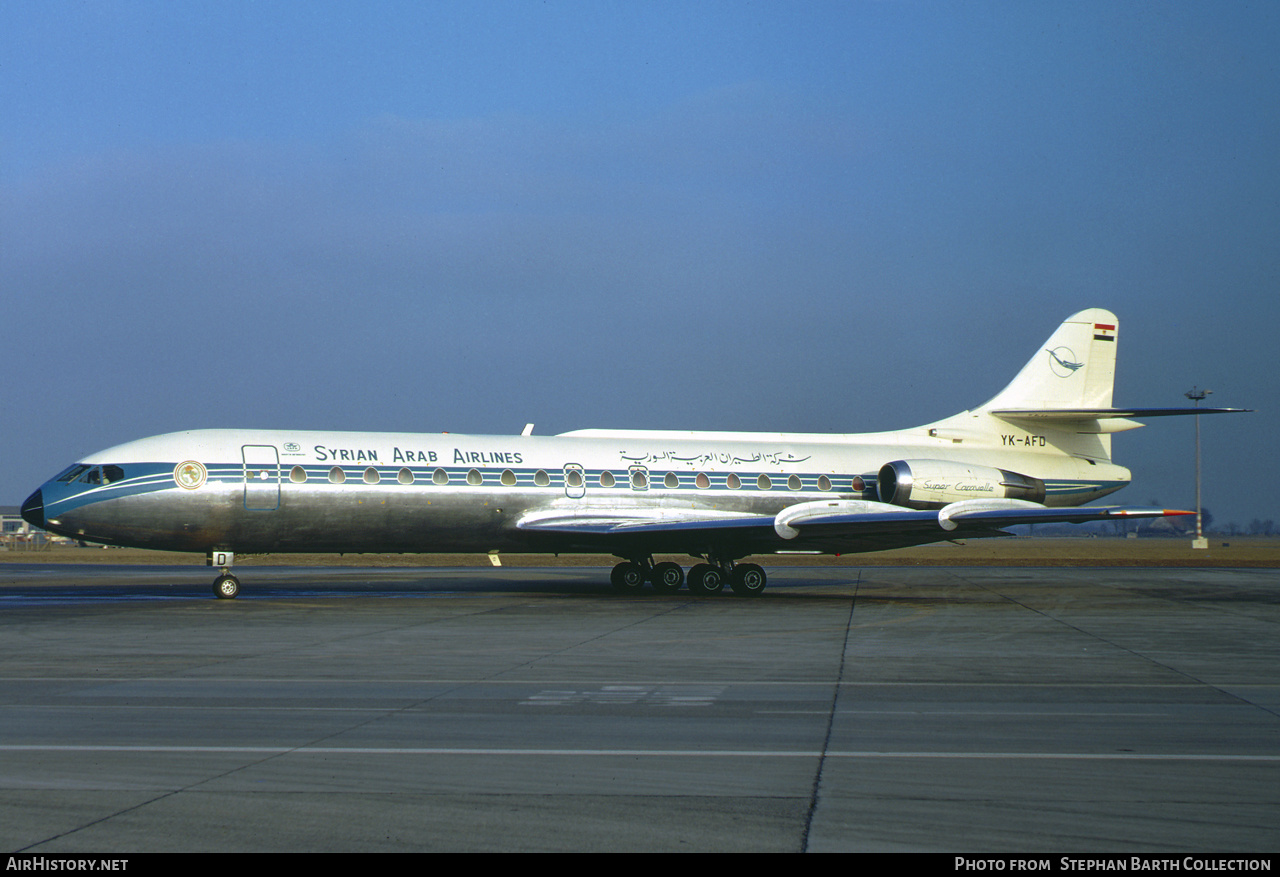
[(1075, 368)]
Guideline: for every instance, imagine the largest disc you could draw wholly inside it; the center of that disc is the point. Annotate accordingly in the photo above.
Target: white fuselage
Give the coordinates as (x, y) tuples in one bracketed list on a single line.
[(269, 491)]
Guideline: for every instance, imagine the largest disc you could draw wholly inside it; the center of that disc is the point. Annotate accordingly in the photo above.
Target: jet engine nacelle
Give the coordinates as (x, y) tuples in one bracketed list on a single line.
[(932, 484)]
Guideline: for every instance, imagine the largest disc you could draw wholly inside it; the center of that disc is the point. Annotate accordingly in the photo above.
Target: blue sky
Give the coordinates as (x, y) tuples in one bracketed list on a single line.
[(781, 216)]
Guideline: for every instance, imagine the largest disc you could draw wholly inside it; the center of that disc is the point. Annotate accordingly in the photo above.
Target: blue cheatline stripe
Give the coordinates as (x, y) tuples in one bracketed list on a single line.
[(149, 477)]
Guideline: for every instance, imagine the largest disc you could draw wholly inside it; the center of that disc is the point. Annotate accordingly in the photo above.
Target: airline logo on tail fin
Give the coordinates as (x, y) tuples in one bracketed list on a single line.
[(1063, 361)]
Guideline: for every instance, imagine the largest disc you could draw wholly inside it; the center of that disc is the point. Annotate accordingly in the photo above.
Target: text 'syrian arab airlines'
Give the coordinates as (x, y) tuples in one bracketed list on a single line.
[(1035, 453)]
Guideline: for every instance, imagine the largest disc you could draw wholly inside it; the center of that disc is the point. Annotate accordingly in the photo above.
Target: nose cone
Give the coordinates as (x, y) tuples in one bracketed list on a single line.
[(33, 510)]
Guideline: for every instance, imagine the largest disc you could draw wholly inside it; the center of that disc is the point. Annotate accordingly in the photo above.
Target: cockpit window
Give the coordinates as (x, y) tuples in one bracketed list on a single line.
[(72, 474), (98, 475)]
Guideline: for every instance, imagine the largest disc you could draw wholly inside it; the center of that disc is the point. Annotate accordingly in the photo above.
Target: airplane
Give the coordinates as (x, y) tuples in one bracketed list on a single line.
[(1035, 453)]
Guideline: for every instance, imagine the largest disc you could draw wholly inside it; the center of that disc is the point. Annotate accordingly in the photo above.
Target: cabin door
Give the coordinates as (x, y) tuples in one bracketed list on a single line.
[(575, 481), (261, 477)]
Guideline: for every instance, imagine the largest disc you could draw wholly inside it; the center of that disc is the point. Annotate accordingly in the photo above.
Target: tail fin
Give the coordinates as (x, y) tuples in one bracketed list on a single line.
[(1062, 396), (1075, 368)]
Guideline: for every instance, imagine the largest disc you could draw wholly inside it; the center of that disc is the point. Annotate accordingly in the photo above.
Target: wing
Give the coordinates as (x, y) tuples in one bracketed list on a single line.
[(825, 527)]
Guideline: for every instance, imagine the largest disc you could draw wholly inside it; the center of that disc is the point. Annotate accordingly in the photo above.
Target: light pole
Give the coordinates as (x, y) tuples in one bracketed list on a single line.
[(1196, 395)]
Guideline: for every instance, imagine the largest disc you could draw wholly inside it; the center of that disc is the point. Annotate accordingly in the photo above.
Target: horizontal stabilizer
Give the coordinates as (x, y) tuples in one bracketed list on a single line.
[(1104, 413)]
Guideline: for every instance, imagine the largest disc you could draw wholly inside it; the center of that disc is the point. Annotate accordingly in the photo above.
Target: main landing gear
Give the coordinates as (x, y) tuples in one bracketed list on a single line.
[(705, 579)]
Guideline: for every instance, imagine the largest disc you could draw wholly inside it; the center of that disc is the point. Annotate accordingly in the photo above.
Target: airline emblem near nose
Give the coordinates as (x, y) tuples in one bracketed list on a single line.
[(189, 474)]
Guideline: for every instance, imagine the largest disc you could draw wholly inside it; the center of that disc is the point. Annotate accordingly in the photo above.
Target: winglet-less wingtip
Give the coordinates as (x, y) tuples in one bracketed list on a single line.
[(1151, 513)]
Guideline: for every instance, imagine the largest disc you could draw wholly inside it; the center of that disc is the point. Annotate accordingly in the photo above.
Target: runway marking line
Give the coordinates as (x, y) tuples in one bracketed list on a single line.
[(643, 753)]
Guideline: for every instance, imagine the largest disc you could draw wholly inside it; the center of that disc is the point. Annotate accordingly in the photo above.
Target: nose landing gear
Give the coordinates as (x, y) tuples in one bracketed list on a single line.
[(225, 586)]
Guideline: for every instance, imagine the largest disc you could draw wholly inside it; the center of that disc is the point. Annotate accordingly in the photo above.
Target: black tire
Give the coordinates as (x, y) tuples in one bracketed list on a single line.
[(226, 587), (706, 579), (628, 577), (668, 577), (748, 580)]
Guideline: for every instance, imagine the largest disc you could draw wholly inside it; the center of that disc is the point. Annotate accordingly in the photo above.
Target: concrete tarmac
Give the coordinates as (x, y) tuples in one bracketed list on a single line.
[(961, 710)]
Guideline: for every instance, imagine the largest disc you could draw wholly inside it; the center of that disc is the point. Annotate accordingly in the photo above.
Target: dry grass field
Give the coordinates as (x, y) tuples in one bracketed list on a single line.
[(1248, 551)]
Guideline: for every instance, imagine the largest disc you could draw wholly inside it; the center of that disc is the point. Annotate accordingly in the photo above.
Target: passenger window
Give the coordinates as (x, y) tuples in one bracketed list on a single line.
[(606, 479), (793, 483), (473, 477), (763, 482), (672, 481), (371, 476), (541, 478), (508, 478), (440, 477), (573, 477), (732, 481), (297, 475), (702, 481), (824, 483), (336, 475), (638, 479), (405, 476)]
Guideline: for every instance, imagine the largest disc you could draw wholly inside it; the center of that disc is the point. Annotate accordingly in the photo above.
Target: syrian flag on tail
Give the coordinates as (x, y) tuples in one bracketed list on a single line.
[(1104, 332)]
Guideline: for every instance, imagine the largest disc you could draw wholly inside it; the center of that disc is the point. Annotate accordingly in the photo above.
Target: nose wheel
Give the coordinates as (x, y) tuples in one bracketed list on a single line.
[(226, 586)]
